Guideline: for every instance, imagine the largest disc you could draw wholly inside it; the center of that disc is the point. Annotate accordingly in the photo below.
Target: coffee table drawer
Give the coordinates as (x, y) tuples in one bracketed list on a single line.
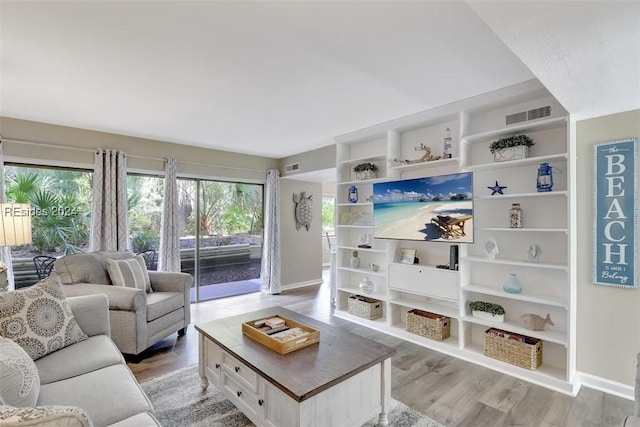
[(246, 400), (240, 372), (213, 361)]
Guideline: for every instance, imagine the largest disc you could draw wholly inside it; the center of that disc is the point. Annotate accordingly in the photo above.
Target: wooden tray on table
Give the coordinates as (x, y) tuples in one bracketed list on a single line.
[(281, 343)]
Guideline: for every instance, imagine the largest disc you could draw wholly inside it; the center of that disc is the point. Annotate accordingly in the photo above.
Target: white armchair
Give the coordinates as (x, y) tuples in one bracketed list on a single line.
[(138, 319)]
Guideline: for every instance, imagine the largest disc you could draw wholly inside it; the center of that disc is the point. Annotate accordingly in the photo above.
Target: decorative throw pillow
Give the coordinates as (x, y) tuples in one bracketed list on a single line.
[(67, 416), (39, 318), (131, 273), (18, 376)]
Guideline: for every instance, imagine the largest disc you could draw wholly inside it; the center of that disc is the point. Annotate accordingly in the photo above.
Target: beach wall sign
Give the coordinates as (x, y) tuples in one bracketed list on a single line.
[(616, 247)]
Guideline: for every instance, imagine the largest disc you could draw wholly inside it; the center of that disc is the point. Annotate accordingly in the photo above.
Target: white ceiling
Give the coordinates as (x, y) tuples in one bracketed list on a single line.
[(280, 78), (587, 53)]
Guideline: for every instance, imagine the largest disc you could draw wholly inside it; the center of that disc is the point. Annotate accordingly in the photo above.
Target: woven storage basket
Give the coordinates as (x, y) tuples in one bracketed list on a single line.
[(430, 325), (511, 350), (368, 308)]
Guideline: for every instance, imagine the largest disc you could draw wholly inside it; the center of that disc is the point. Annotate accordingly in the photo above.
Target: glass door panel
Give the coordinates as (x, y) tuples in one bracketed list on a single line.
[(230, 239)]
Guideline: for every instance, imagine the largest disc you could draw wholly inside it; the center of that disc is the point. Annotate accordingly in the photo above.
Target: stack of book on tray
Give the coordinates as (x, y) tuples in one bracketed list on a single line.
[(276, 328)]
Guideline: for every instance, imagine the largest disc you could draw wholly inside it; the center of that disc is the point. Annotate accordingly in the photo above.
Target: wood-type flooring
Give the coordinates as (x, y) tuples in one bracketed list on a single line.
[(449, 390)]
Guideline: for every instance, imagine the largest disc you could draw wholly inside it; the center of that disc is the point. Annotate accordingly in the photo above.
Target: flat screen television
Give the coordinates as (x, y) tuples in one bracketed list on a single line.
[(435, 209)]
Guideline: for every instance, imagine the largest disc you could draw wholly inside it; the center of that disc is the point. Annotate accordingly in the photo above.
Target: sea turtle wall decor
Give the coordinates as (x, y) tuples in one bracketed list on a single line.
[(304, 210)]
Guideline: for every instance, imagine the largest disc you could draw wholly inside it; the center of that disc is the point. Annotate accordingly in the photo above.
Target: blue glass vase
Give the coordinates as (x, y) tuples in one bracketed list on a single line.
[(512, 285)]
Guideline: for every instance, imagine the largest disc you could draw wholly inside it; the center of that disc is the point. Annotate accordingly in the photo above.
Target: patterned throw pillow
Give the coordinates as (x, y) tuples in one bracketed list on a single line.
[(131, 273), (18, 376), (68, 416), (39, 318)]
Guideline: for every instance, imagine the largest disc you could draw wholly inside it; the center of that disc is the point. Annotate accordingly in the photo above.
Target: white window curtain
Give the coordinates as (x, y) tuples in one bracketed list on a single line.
[(5, 251), (109, 225), (169, 259), (270, 269)]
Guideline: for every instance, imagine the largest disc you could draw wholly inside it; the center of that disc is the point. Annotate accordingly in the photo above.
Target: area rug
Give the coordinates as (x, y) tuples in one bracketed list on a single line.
[(179, 402)]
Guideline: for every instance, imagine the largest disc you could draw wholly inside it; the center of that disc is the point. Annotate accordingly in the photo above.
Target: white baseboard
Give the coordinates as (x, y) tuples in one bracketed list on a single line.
[(612, 387), (303, 284)]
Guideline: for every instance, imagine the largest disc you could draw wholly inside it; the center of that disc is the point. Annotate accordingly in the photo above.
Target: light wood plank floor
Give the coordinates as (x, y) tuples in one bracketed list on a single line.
[(449, 390)]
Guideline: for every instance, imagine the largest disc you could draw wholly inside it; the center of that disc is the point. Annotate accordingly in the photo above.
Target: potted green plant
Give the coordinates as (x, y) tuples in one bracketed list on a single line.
[(511, 148), (366, 170), (487, 311)]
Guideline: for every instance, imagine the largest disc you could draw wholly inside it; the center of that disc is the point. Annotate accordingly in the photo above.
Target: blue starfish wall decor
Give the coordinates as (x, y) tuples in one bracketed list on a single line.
[(497, 188)]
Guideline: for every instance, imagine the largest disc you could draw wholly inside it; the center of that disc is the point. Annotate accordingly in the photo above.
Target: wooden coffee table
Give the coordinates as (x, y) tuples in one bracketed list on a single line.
[(344, 380)]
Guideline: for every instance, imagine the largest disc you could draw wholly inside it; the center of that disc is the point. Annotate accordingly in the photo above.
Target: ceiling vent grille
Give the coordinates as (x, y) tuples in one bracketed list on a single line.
[(536, 113), (516, 118), (292, 167)]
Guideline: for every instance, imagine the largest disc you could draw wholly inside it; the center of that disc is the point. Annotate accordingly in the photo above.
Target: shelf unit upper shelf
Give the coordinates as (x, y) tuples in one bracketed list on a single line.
[(421, 165), (525, 229), (523, 195), (421, 305), (363, 159), (362, 181), (382, 296), (521, 263), (356, 248), (557, 337), (532, 126), (366, 272), (515, 163), (356, 204), (538, 299)]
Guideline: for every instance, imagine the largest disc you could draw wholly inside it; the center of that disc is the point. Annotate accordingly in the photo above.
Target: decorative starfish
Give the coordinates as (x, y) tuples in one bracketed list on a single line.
[(497, 188)]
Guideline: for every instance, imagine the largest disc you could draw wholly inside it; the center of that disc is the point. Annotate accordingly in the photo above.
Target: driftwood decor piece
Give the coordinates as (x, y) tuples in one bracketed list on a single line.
[(426, 157)]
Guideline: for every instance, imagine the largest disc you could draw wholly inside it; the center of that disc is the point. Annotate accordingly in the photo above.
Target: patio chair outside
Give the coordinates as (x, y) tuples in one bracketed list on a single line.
[(44, 265)]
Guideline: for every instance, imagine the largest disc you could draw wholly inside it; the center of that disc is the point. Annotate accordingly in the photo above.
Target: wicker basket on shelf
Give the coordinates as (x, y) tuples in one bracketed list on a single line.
[(366, 307), (430, 325), (518, 350)]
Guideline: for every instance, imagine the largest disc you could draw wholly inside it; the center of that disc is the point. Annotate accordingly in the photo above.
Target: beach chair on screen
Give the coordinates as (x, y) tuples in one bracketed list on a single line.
[(451, 227)]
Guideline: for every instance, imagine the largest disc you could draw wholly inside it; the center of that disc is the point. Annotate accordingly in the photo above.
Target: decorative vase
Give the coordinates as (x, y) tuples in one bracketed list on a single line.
[(355, 261), (512, 285), (366, 285), (516, 216)]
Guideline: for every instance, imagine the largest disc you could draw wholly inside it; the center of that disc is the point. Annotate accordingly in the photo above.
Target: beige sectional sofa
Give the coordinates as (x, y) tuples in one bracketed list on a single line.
[(90, 375)]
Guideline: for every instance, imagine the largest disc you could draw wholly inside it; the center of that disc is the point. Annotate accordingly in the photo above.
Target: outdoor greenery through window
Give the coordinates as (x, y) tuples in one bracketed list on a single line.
[(228, 217), (61, 202), (144, 209), (61, 208), (328, 215)]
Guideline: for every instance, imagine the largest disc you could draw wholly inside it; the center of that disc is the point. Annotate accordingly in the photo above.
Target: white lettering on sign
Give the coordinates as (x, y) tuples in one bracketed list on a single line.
[(614, 230)]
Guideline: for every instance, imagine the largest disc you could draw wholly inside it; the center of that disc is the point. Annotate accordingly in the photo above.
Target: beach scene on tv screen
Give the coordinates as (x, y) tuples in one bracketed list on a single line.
[(435, 208)]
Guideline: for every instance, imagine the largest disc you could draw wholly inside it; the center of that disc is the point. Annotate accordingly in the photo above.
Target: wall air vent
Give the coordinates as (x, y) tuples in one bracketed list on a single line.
[(292, 167), (536, 113), (516, 118)]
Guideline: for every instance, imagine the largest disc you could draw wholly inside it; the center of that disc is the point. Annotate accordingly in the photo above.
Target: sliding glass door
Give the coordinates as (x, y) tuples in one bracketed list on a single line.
[(221, 236)]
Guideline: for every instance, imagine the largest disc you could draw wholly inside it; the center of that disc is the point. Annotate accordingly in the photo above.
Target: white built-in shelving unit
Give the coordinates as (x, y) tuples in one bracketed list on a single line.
[(549, 284)]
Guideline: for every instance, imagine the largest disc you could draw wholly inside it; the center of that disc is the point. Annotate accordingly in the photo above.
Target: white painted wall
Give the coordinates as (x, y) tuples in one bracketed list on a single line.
[(301, 249), (608, 336), (136, 148)]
